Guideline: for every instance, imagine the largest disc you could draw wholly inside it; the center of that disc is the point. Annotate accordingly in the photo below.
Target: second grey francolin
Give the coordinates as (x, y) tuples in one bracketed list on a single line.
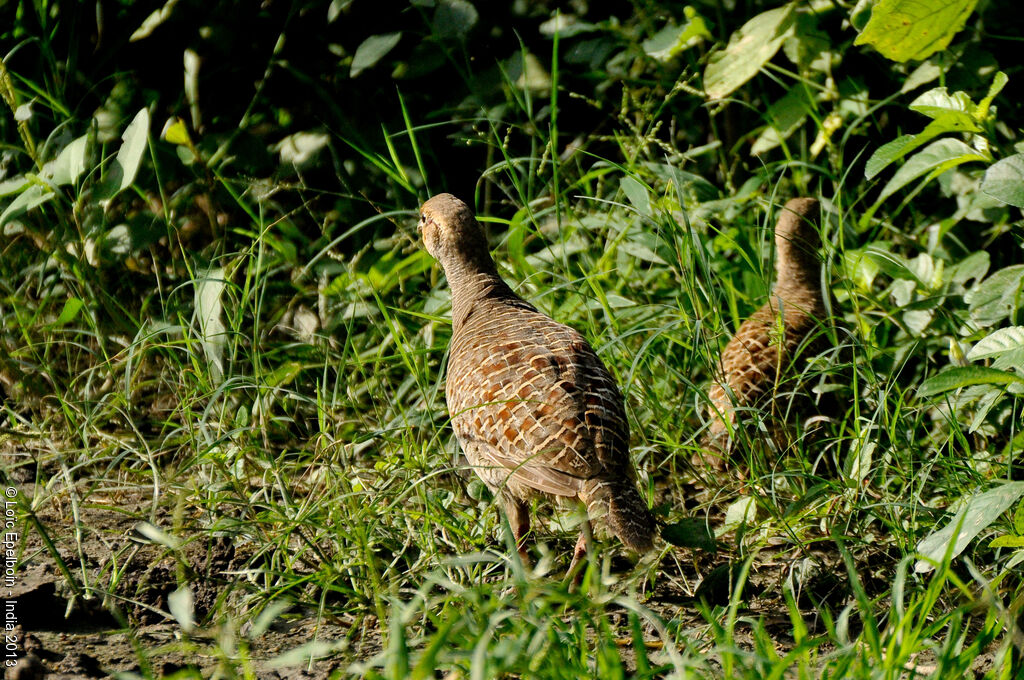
[(760, 364), (533, 408)]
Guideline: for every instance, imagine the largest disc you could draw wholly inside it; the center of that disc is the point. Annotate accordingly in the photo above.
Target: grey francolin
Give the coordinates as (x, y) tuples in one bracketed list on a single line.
[(760, 366), (533, 408)]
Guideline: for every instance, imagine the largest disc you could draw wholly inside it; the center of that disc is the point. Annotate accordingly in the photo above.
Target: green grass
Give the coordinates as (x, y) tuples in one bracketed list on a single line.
[(277, 383)]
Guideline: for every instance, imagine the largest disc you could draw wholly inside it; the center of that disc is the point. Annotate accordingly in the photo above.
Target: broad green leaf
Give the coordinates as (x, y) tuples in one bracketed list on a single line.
[(637, 195), (925, 73), (454, 19), (889, 153), (911, 29), (965, 376), (14, 185), (372, 50), (122, 171), (185, 155), (132, 147), (284, 374), (692, 532), (182, 605), (70, 162), (784, 117), (860, 14), (927, 269), (672, 39), (664, 44), (301, 147), (858, 465), (1004, 180), (532, 75), (956, 352), (935, 158), (742, 511), (1007, 542), (616, 301), (938, 102), (861, 267), (1011, 360), (33, 196), (390, 271), (1001, 341), (894, 266), (208, 305), (70, 311), (809, 47), (1018, 519), (118, 241), (948, 122), (748, 50), (996, 297), (917, 320), (901, 146), (566, 26), (978, 513), (974, 266)]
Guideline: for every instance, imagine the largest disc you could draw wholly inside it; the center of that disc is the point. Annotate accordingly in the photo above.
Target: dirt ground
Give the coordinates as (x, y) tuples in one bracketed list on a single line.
[(63, 634)]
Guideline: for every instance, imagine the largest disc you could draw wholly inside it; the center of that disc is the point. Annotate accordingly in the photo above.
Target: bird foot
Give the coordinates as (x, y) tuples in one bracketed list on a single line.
[(577, 567)]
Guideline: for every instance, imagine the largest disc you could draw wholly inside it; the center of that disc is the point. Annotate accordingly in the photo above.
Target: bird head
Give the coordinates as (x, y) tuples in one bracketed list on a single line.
[(451, 233)]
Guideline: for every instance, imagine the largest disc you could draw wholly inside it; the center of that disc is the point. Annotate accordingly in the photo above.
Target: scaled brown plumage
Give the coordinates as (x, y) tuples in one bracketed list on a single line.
[(534, 409), (765, 353)]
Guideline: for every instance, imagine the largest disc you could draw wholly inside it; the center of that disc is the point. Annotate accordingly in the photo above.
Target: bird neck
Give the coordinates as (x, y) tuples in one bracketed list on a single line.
[(472, 281), (798, 273)]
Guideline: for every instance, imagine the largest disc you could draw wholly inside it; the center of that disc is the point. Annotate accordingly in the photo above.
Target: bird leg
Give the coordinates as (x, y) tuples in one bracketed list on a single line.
[(584, 546), (518, 513)]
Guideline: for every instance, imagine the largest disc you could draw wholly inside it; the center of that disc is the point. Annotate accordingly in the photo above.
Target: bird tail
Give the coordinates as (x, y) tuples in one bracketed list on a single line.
[(625, 511)]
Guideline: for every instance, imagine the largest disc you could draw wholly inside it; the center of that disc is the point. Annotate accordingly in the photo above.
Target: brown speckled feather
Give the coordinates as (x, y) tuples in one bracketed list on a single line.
[(534, 409), (536, 403), (773, 344)]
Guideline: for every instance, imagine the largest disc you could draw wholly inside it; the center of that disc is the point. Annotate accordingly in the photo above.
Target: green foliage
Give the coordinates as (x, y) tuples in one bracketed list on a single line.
[(976, 513), (749, 48), (910, 29), (954, 113), (372, 50), (1004, 180), (229, 331)]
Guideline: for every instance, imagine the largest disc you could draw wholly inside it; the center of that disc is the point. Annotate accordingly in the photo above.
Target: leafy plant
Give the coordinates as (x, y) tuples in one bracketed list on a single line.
[(950, 113), (222, 347)]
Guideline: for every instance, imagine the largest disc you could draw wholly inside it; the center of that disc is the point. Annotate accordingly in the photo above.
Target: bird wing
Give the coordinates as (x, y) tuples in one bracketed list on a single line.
[(531, 400), (751, 361)]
